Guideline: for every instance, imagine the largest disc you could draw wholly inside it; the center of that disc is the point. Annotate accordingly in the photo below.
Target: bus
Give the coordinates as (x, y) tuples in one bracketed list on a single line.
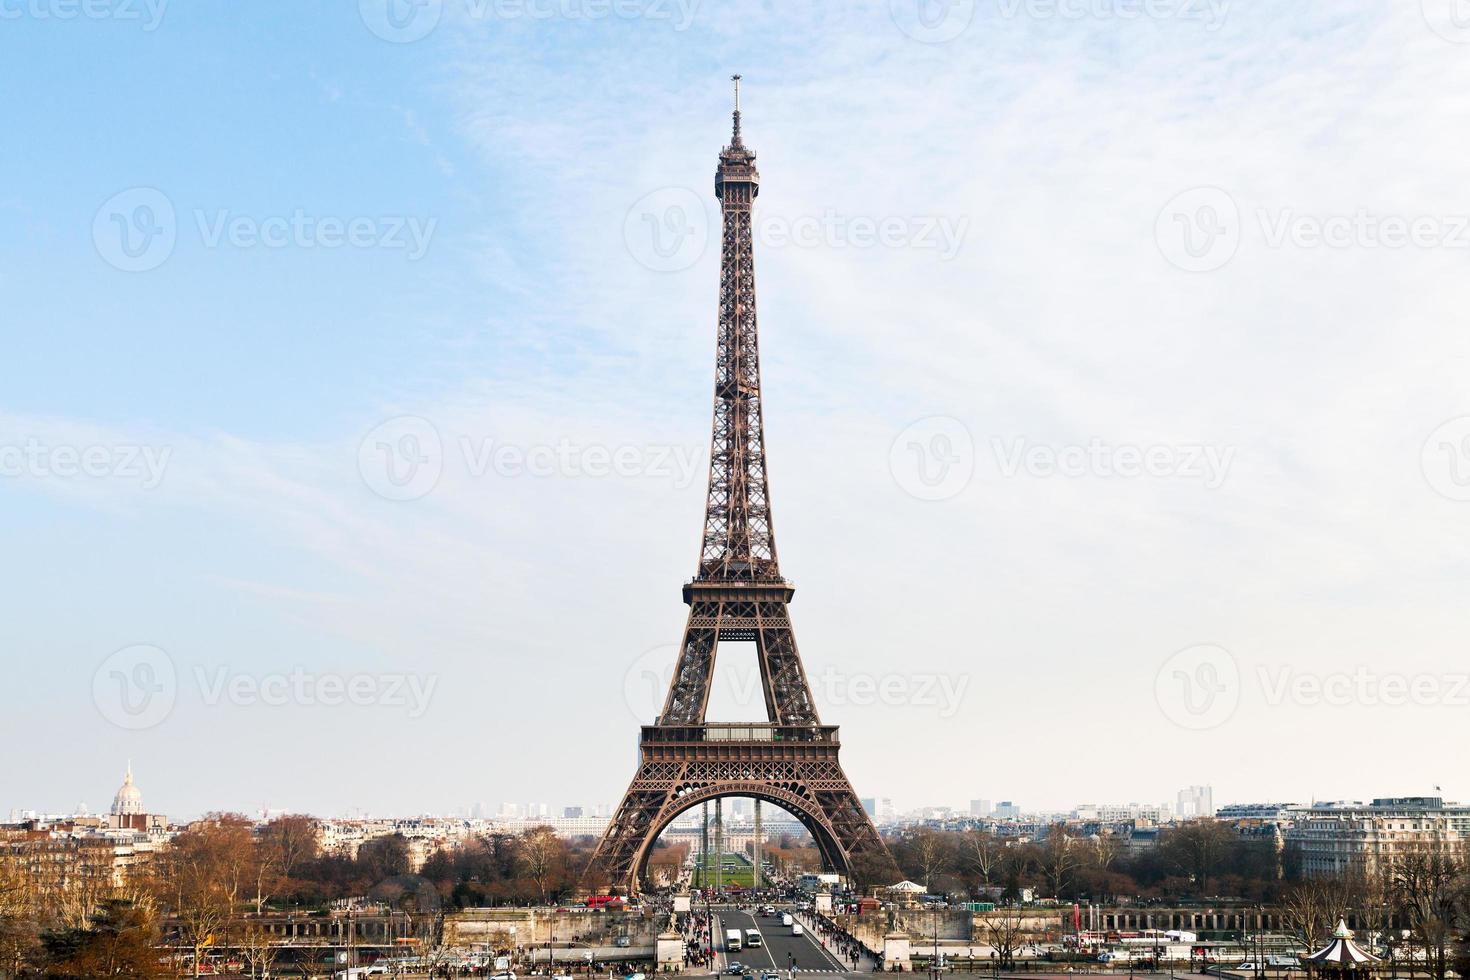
[(752, 937), (732, 940)]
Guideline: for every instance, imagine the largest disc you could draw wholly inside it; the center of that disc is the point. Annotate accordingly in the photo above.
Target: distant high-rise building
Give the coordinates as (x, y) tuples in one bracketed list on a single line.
[(980, 808), (1195, 801), (880, 808), (509, 811), (1006, 810), (571, 812)]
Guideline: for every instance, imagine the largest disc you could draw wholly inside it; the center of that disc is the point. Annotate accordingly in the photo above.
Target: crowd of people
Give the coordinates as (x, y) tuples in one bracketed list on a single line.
[(844, 944)]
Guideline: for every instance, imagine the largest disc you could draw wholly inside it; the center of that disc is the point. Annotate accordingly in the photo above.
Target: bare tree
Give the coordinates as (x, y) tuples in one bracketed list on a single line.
[(1003, 933), (983, 853), (1058, 856), (257, 945), (1428, 886), (1310, 908), (541, 855)]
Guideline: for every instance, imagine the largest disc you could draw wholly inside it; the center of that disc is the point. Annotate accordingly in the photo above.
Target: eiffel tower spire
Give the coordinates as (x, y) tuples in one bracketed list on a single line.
[(735, 137)]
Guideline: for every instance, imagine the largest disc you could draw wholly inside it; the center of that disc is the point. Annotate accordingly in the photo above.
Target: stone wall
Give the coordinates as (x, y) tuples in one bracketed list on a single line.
[(534, 928)]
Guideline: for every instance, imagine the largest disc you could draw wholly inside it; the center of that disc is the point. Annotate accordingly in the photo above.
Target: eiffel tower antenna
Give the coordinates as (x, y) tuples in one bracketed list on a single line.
[(735, 139), (738, 594)]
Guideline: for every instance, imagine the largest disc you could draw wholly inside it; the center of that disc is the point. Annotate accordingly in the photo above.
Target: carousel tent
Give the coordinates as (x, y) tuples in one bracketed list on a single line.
[(1341, 954)]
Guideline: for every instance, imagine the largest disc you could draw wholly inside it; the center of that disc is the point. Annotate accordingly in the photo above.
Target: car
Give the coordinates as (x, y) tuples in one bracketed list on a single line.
[(503, 975), (734, 969), (770, 976), (561, 976), (635, 976)]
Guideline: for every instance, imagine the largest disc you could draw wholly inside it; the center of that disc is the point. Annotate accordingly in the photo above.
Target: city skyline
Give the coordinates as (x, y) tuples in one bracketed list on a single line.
[(890, 810)]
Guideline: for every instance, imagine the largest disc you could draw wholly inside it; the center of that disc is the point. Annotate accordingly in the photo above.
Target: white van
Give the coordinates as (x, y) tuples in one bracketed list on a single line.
[(786, 918), (796, 928)]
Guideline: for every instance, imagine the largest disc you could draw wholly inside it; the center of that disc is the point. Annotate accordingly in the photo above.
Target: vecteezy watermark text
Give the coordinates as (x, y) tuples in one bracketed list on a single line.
[(1201, 230), (406, 21), (1210, 465), (221, 685), (1210, 13), (1363, 686), (147, 13), (38, 460), (669, 229), (138, 687), (737, 681), (137, 229), (405, 457), (1200, 687)]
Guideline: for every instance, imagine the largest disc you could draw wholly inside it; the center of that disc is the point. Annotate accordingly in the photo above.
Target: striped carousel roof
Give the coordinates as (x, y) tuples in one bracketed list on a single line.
[(1342, 951)]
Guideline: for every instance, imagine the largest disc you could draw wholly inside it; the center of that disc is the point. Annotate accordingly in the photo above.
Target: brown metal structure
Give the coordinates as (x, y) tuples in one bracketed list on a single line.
[(738, 594)]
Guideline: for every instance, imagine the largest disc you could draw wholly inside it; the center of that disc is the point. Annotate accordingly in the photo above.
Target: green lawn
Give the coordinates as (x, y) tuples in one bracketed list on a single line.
[(738, 870)]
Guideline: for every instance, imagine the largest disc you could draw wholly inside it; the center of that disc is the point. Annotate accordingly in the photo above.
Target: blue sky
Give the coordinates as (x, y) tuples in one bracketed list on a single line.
[(1035, 165)]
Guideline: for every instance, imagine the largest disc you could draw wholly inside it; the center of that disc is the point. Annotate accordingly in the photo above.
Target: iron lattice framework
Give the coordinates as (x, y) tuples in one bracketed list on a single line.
[(738, 594)]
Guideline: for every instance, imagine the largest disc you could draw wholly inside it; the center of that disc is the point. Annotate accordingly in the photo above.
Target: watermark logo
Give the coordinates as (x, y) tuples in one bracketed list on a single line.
[(1363, 687), (831, 229), (1210, 13), (302, 688), (135, 230), (135, 688), (1445, 459), (35, 459), (405, 457), (406, 21), (932, 21), (738, 679), (402, 459), (1450, 19), (1362, 229), (1199, 229), (934, 458), (401, 21), (409, 234), (147, 13), (1210, 465), (667, 230), (1198, 688)]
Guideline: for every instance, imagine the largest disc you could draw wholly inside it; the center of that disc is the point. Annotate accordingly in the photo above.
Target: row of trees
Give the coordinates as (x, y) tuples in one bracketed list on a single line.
[(1191, 860)]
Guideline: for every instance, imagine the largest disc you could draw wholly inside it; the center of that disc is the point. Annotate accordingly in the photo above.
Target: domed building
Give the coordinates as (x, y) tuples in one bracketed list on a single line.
[(127, 810), (129, 798)]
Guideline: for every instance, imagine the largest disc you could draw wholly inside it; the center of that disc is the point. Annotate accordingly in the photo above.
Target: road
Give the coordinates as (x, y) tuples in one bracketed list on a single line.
[(779, 949)]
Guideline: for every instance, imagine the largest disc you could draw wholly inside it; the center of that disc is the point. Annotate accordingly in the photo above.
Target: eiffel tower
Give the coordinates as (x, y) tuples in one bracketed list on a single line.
[(738, 594)]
